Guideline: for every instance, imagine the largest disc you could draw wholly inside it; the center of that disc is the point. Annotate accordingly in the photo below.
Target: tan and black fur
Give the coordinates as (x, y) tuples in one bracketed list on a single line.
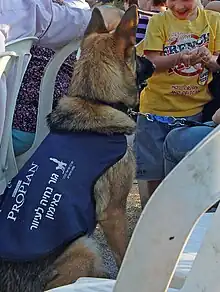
[(104, 75)]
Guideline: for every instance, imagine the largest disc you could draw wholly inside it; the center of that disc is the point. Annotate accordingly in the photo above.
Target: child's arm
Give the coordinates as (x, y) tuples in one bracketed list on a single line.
[(154, 45), (164, 63)]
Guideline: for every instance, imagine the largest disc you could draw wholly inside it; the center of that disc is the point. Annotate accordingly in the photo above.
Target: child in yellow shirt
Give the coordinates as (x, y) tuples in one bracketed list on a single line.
[(181, 42)]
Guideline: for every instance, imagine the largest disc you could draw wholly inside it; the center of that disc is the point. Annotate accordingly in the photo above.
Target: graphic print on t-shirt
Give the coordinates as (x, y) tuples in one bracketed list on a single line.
[(179, 42)]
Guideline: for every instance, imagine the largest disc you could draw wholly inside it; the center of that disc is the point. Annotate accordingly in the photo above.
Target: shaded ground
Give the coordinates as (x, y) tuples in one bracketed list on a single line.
[(133, 212)]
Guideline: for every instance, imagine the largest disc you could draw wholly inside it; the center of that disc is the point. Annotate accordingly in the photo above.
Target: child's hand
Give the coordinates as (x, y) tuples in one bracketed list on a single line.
[(185, 58), (205, 54), (195, 57), (200, 55)]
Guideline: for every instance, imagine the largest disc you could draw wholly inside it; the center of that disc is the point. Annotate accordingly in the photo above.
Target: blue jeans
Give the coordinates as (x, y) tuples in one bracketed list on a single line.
[(148, 146), (179, 142)]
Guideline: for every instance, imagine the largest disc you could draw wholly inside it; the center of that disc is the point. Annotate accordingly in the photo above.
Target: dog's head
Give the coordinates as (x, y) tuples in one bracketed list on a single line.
[(106, 69)]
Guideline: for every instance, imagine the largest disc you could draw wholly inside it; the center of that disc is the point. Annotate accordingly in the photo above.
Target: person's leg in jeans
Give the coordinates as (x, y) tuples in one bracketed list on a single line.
[(179, 142), (149, 140)]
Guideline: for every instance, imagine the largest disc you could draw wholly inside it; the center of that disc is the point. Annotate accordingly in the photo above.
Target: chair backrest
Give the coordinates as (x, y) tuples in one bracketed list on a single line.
[(5, 64), (6, 61), (46, 97), (22, 49), (168, 220)]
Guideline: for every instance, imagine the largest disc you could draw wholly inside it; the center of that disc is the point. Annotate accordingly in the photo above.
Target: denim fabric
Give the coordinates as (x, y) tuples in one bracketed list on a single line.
[(179, 142), (149, 140)]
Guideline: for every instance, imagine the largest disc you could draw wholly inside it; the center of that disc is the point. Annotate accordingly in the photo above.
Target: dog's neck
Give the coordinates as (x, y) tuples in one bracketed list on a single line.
[(76, 114)]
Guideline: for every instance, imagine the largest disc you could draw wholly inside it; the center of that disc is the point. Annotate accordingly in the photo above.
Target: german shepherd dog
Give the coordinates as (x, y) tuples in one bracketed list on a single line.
[(104, 76)]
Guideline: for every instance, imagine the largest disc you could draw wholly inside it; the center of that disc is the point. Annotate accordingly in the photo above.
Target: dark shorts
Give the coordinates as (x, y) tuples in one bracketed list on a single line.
[(149, 140)]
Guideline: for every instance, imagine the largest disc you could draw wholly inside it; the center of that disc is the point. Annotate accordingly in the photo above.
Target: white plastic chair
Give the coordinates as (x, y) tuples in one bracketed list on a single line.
[(5, 58), (165, 226), (22, 49), (6, 61), (46, 98), (5, 64)]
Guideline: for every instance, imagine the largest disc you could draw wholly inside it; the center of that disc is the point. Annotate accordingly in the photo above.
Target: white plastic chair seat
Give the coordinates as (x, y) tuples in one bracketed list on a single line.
[(88, 285), (92, 285)]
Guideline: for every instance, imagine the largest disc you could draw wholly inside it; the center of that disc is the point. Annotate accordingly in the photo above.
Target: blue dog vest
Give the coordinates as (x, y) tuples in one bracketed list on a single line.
[(50, 202)]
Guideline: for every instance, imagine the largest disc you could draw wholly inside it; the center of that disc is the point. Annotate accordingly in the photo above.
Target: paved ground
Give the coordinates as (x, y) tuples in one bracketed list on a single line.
[(133, 212)]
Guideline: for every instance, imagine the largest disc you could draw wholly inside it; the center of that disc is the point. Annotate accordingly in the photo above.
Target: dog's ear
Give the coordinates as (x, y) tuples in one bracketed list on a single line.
[(96, 24), (125, 33)]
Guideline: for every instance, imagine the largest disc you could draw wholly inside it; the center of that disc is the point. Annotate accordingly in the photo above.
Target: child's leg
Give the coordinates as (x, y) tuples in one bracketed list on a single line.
[(149, 141), (179, 142), (150, 137)]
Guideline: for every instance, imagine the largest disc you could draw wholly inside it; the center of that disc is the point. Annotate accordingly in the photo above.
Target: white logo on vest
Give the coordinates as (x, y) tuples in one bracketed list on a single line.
[(60, 164)]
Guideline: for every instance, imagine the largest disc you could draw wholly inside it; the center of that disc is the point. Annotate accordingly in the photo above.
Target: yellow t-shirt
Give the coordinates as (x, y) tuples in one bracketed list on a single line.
[(179, 91)]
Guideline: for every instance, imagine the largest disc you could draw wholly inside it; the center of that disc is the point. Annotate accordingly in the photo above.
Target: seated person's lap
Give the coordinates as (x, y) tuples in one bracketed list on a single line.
[(149, 141)]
